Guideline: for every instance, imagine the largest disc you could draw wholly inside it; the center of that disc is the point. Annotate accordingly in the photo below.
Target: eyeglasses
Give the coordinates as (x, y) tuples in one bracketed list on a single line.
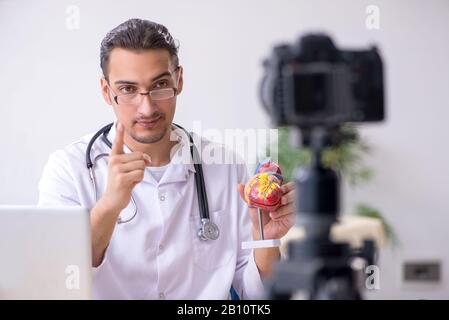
[(137, 98)]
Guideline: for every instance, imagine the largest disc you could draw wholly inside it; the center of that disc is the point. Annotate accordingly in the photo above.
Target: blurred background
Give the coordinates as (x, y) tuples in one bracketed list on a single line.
[(50, 97)]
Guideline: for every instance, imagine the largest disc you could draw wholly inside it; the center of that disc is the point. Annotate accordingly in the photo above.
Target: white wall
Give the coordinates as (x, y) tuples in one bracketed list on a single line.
[(49, 95)]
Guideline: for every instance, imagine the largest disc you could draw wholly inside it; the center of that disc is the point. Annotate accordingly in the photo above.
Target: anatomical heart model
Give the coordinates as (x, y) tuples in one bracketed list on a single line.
[(263, 191)]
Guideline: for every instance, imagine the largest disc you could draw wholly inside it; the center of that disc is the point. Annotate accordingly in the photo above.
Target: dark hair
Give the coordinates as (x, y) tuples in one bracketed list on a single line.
[(137, 34)]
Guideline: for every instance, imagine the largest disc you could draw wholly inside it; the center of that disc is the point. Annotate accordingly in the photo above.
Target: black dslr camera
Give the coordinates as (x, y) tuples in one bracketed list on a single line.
[(317, 88), (313, 83)]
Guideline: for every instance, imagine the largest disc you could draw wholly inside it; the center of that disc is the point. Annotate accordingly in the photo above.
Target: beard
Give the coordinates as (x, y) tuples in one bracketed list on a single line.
[(153, 137)]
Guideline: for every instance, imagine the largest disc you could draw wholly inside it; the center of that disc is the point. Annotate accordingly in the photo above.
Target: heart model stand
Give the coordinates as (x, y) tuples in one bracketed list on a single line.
[(270, 243), (263, 191)]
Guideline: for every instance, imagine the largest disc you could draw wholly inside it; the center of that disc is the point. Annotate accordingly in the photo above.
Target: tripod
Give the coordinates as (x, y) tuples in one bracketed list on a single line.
[(317, 268)]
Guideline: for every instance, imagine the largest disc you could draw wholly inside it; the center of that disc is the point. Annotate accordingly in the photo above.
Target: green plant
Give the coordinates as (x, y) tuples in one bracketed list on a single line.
[(346, 159)]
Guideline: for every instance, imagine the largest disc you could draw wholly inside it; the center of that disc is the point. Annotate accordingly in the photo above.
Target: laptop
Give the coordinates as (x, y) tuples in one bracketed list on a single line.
[(45, 253)]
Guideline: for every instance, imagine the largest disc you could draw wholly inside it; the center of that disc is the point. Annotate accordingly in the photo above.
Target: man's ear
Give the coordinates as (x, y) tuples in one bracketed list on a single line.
[(181, 79), (105, 91)]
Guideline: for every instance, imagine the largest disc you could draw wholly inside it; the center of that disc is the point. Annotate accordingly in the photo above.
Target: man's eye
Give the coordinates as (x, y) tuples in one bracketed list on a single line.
[(161, 84), (127, 90)]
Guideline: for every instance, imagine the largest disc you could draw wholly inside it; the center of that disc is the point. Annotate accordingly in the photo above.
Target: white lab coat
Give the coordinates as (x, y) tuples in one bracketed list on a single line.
[(158, 254)]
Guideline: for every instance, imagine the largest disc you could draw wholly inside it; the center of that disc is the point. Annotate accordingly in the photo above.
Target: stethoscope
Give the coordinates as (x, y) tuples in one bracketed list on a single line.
[(209, 230)]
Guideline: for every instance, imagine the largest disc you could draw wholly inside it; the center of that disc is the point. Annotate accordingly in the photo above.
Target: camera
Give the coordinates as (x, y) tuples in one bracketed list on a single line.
[(311, 83)]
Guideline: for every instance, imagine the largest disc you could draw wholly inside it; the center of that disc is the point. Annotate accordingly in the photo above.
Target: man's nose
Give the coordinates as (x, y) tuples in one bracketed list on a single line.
[(146, 107)]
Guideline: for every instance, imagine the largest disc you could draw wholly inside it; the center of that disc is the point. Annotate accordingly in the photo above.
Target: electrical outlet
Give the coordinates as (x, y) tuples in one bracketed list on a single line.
[(422, 271)]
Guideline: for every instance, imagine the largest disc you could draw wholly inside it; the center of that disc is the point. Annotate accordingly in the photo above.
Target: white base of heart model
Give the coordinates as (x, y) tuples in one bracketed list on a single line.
[(261, 244)]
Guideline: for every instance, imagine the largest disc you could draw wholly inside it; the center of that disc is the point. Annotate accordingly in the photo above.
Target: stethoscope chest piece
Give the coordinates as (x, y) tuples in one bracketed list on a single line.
[(208, 230)]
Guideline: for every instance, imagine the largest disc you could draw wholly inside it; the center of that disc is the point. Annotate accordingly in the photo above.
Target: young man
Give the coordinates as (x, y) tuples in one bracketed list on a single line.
[(144, 208)]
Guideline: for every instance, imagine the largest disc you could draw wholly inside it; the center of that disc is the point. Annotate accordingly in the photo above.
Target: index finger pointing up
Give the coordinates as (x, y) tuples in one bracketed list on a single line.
[(117, 147)]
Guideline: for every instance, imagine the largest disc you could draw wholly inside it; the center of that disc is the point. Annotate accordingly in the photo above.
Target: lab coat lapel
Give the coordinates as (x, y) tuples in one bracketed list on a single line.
[(181, 163)]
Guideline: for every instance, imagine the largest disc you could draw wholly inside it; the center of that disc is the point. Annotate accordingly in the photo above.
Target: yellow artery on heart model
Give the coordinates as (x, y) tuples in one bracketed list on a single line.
[(263, 190)]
